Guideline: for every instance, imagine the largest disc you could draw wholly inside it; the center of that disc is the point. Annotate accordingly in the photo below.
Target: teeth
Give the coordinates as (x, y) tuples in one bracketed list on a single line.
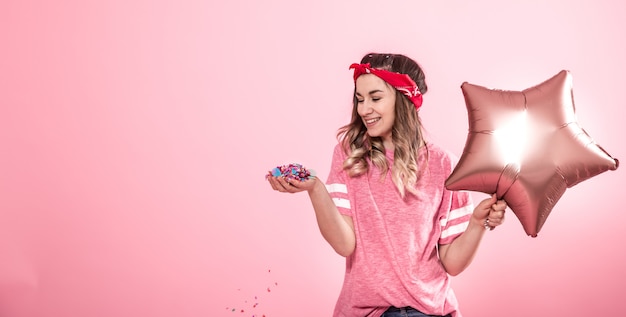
[(372, 120)]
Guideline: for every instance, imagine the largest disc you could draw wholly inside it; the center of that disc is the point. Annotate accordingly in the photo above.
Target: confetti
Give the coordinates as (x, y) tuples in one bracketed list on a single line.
[(250, 304), (293, 171)]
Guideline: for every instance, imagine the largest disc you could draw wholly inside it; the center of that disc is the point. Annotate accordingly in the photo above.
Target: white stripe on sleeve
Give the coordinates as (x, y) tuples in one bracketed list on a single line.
[(457, 213), (456, 229), (337, 188), (343, 203)]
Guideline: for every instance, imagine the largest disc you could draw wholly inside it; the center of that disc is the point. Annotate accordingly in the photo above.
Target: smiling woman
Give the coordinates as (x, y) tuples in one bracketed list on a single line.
[(384, 206)]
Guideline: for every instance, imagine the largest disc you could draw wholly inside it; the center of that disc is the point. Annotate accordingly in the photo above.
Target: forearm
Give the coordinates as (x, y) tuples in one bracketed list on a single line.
[(458, 255), (337, 229)]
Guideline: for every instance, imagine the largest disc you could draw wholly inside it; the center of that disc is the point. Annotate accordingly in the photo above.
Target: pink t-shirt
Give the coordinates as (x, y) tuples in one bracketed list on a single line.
[(396, 262)]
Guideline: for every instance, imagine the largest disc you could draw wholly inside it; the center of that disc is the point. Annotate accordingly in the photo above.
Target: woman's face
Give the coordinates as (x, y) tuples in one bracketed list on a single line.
[(376, 102)]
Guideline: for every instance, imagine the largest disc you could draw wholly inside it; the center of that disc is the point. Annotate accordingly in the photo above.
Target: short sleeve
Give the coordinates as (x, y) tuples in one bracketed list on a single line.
[(458, 217), (458, 212), (336, 184)]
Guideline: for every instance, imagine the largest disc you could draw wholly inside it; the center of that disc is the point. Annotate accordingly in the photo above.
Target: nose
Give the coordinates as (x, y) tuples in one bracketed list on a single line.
[(365, 107)]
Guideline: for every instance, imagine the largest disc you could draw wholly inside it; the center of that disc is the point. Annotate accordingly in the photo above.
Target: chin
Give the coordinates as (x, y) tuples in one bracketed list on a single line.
[(373, 134)]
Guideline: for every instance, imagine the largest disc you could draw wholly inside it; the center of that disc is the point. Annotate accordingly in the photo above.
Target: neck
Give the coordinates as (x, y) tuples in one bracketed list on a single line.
[(388, 144)]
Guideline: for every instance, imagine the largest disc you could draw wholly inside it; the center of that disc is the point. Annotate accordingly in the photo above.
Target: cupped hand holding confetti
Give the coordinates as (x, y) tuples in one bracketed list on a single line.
[(292, 171), (291, 178)]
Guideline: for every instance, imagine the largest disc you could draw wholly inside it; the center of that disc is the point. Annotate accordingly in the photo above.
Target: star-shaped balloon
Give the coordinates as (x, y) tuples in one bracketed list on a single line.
[(527, 147)]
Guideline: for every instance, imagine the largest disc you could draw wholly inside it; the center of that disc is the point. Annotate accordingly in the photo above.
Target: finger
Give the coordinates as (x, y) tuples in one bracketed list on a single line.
[(284, 183), (293, 185), (487, 203), (496, 219), (279, 184), (494, 222), (499, 205), (484, 207)]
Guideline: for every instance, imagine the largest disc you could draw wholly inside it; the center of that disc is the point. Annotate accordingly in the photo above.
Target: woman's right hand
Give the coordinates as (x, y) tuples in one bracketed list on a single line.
[(285, 185)]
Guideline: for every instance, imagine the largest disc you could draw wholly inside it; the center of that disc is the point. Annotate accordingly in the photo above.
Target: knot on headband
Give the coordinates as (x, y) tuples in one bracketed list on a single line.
[(401, 82)]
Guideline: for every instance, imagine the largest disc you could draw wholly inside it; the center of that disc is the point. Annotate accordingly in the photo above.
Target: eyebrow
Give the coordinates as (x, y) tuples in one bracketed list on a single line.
[(371, 92)]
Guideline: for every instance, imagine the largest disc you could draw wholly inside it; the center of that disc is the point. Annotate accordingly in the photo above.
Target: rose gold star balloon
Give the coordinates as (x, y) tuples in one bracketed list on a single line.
[(527, 147)]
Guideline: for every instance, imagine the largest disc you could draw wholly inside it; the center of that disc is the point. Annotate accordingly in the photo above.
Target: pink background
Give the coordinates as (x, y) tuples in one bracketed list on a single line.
[(134, 136)]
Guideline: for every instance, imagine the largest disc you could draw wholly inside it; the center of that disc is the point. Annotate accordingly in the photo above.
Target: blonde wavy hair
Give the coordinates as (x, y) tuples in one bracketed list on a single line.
[(406, 134)]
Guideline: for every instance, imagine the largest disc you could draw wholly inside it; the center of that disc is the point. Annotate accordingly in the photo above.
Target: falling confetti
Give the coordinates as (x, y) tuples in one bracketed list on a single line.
[(250, 304)]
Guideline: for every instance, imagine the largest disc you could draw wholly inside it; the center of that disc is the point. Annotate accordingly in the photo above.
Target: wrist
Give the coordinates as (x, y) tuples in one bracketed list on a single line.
[(478, 223), (317, 186)]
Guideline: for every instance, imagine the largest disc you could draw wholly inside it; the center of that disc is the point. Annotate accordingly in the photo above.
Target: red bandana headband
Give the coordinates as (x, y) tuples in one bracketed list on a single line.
[(401, 82)]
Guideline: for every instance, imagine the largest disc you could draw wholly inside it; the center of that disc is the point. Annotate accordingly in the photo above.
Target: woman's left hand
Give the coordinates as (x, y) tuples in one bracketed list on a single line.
[(490, 212)]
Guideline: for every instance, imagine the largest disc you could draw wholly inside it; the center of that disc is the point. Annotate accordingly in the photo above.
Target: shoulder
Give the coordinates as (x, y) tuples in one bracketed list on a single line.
[(339, 151), (339, 155), (440, 157)]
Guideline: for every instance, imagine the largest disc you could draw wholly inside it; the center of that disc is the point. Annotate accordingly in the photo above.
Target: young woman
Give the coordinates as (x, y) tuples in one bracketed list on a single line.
[(385, 207)]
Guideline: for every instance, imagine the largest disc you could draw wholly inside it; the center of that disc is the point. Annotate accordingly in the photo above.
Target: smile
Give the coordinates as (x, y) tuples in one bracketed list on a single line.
[(371, 121)]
